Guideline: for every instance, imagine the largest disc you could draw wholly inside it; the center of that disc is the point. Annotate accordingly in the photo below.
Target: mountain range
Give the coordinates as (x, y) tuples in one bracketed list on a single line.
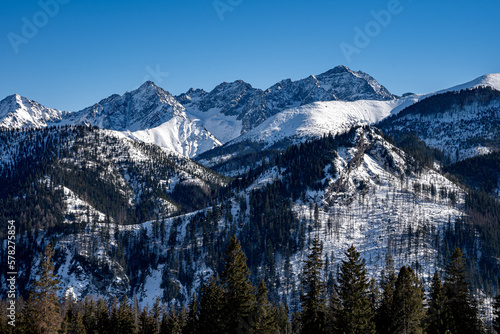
[(198, 121), (140, 192)]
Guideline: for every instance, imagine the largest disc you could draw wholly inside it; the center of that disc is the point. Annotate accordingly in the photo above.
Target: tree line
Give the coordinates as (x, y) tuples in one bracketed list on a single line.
[(229, 303)]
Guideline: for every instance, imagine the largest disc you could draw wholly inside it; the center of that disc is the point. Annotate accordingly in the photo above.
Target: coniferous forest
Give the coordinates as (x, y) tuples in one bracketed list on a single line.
[(228, 302), (119, 212)]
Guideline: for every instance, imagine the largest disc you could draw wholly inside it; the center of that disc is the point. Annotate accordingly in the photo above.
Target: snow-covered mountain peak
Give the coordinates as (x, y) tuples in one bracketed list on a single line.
[(315, 120), (17, 112), (149, 114), (489, 80)]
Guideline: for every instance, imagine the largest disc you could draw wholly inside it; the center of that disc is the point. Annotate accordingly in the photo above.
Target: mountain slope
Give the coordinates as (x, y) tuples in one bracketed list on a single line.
[(149, 114), (488, 80), (462, 124), (18, 112), (237, 107), (317, 119)]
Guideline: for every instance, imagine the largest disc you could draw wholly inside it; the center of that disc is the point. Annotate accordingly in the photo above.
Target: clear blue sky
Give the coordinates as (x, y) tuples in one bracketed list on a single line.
[(90, 49)]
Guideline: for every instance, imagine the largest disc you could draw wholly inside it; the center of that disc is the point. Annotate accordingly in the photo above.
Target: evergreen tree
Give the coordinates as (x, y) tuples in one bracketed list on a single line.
[(356, 315), (436, 317), (126, 323), (211, 316), (146, 322), (43, 304), (333, 312), (239, 297), (384, 316), (75, 325), (313, 300), (407, 308), (264, 314), (192, 318), (114, 317), (170, 324), (282, 322), (89, 315), (461, 309), (102, 317)]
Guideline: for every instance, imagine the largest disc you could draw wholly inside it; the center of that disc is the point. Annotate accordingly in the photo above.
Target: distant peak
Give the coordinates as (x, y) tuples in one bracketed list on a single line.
[(148, 84), (341, 68), (337, 70)]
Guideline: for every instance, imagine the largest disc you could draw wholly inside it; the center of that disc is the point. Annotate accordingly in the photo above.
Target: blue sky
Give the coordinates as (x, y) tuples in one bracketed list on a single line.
[(82, 51)]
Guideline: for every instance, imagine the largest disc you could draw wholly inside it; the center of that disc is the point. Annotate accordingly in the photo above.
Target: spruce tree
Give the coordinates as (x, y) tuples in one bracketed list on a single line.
[(43, 304), (356, 315), (75, 325), (146, 324), (89, 315), (462, 314), (239, 296), (102, 317), (384, 317), (192, 324), (126, 322), (407, 308), (170, 324), (313, 299), (211, 316), (265, 321), (436, 317)]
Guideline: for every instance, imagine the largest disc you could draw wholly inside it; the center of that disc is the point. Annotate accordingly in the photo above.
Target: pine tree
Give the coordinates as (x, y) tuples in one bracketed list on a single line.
[(436, 322), (313, 299), (102, 317), (126, 323), (462, 314), (384, 316), (114, 317), (170, 324), (265, 321), (407, 308), (146, 322), (356, 315), (75, 325), (89, 315), (192, 323), (239, 297), (333, 312), (281, 316), (43, 305), (211, 316)]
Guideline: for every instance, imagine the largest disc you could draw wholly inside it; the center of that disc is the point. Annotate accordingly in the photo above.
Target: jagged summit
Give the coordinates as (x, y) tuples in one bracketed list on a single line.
[(18, 112), (252, 106)]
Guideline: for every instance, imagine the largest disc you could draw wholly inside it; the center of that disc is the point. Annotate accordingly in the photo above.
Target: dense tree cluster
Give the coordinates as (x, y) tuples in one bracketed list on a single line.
[(231, 304)]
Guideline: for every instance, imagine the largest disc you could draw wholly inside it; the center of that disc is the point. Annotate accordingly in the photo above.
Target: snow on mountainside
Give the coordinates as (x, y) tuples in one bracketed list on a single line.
[(247, 107), (149, 114), (489, 80), (147, 107), (317, 119), (19, 112), (461, 124)]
